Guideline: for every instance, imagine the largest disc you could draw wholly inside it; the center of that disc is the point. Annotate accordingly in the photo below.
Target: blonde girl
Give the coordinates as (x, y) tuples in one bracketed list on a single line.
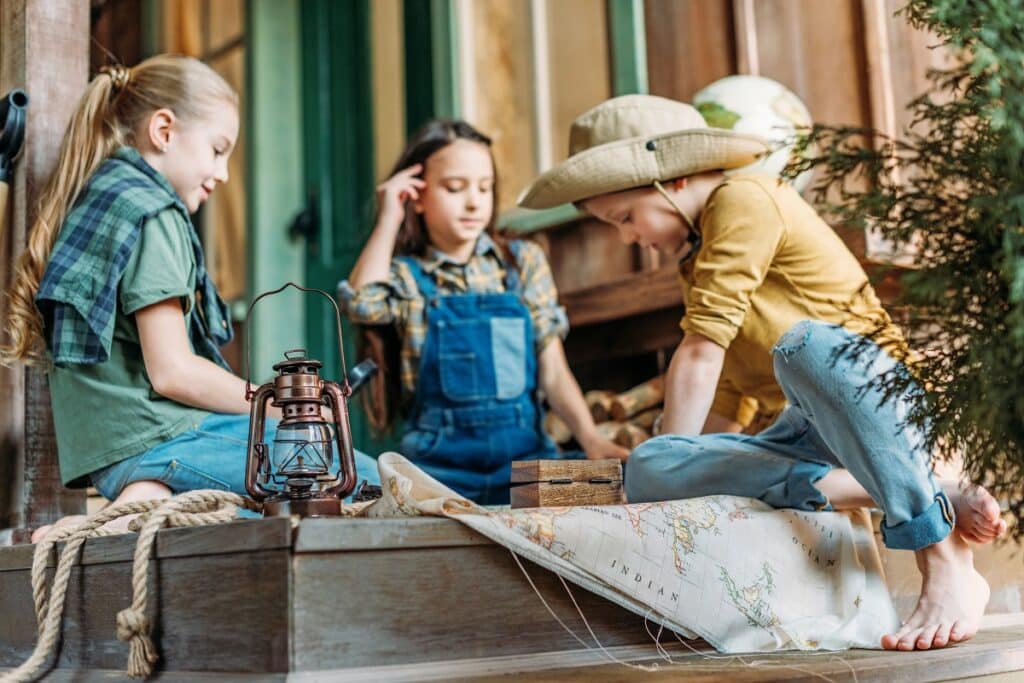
[(112, 295)]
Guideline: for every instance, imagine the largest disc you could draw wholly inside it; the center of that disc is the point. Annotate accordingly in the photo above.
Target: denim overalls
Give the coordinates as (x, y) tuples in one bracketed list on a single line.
[(476, 408)]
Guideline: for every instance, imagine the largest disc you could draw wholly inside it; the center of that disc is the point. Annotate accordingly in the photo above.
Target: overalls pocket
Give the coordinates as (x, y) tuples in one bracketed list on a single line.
[(508, 345), (463, 375)]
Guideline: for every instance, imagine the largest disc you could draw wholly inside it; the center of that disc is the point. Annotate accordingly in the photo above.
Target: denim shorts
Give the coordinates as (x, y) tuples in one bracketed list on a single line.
[(211, 455)]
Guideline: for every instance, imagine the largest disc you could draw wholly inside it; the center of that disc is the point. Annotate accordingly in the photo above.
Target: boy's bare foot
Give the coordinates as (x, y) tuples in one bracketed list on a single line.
[(952, 602), (977, 511)]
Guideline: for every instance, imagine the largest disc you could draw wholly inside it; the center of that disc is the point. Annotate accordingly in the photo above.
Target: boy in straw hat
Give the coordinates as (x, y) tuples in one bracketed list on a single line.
[(774, 304)]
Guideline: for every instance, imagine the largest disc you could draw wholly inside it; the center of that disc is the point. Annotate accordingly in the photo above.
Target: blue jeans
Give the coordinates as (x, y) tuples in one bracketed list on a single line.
[(210, 456), (835, 418)]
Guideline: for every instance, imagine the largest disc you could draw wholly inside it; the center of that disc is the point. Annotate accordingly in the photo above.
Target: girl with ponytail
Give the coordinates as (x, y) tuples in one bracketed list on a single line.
[(112, 297)]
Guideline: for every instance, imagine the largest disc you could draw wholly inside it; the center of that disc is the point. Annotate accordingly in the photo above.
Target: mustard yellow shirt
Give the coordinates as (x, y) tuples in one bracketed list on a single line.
[(767, 262)]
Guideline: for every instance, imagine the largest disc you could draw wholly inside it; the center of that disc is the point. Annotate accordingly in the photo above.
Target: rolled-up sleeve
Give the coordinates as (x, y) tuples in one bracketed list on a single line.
[(549, 318), (379, 303), (742, 231)]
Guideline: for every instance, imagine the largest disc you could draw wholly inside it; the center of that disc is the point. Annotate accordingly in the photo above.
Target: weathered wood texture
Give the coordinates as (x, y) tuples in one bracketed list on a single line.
[(546, 494), (219, 595), (45, 50), (995, 655), (410, 599), (554, 483), (433, 604), (527, 471)]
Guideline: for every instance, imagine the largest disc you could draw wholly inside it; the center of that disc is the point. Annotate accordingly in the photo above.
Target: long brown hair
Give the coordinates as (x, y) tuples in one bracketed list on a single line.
[(116, 102), (434, 136)]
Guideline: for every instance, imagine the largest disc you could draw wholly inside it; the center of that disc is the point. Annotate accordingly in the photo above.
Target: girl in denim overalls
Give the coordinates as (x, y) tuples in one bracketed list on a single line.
[(478, 317)]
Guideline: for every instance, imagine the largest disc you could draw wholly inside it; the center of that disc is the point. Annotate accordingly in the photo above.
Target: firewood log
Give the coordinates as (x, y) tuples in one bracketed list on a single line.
[(556, 428), (600, 404), (640, 397), (645, 420), (631, 436), (609, 429)]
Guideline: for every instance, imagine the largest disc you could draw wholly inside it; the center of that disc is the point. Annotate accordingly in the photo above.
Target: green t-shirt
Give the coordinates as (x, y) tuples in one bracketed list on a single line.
[(106, 412)]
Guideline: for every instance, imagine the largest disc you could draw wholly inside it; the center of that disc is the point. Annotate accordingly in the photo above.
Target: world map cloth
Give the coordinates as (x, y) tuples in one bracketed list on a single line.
[(741, 575)]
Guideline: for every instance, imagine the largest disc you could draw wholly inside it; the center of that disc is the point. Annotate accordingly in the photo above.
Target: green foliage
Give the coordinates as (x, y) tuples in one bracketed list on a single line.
[(955, 181)]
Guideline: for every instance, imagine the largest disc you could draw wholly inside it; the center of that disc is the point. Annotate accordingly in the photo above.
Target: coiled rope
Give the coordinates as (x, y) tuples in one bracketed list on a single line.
[(195, 508)]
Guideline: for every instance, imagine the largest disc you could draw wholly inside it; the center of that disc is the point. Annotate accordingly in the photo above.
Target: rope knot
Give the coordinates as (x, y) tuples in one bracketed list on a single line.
[(131, 623), (133, 627)]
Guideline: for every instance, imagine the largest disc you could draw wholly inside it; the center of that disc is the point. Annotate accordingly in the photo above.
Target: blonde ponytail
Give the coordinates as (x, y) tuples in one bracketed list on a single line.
[(115, 103)]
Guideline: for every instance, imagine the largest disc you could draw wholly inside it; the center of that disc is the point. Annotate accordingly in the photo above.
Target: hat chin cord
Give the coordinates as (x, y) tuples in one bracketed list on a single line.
[(694, 237)]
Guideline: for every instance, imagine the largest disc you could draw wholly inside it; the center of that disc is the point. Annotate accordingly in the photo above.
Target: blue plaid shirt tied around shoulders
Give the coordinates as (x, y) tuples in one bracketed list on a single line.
[(78, 296)]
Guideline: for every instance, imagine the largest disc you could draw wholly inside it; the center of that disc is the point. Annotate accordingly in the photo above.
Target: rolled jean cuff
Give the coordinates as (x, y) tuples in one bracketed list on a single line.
[(800, 489), (929, 527)]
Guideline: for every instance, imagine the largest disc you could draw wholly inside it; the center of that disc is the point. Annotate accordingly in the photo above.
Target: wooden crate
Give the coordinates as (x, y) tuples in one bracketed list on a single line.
[(554, 483)]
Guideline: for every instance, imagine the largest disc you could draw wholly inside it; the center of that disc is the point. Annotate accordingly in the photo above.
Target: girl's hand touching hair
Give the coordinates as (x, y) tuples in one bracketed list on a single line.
[(393, 194)]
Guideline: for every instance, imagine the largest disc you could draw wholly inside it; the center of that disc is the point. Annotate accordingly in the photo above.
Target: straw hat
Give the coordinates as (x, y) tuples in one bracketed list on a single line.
[(634, 140)]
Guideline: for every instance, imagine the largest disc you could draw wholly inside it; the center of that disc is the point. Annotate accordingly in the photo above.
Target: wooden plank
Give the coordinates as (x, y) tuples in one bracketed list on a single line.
[(575, 28), (745, 27), (234, 537), (689, 44), (526, 471), (345, 534), (502, 97), (45, 50), (996, 652), (435, 604), (640, 293), (617, 339), (547, 494), (588, 253), (216, 613)]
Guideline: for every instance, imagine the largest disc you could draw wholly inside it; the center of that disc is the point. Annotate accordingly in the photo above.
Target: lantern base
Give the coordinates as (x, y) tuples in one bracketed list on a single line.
[(304, 507)]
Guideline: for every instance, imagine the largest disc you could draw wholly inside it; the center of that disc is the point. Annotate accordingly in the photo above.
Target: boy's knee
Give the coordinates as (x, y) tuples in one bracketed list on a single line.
[(645, 473), (806, 348)]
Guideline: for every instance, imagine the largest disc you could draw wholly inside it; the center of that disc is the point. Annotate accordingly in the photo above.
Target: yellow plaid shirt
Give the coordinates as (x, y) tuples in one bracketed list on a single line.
[(398, 301)]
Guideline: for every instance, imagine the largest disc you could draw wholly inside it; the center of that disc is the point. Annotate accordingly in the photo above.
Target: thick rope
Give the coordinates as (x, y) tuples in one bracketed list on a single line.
[(195, 508)]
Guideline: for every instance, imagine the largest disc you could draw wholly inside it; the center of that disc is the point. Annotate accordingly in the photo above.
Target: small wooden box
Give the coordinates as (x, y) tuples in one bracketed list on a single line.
[(550, 483)]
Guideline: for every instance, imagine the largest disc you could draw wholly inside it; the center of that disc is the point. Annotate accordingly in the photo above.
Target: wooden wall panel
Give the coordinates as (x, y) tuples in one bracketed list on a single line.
[(689, 44), (579, 64), (503, 89), (224, 217), (45, 50), (911, 54), (388, 85), (817, 50)]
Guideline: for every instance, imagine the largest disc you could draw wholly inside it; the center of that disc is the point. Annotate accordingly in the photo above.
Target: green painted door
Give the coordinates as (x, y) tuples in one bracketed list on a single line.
[(339, 174)]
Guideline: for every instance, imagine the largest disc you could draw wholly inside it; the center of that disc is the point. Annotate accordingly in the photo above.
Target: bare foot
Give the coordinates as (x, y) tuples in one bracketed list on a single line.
[(137, 490), (40, 533), (977, 511), (952, 602)]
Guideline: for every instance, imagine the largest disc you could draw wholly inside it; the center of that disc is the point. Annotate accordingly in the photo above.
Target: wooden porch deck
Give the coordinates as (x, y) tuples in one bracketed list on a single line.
[(418, 599)]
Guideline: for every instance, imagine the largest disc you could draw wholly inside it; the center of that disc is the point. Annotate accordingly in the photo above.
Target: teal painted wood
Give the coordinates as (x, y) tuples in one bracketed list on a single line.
[(275, 187), (628, 46), (338, 122), (431, 61), (525, 221)]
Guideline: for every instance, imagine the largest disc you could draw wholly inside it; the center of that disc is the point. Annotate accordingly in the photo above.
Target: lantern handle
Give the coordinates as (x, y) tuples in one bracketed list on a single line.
[(346, 389)]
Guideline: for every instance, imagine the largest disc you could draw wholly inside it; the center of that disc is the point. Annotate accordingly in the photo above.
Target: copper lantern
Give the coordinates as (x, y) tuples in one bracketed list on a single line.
[(295, 473)]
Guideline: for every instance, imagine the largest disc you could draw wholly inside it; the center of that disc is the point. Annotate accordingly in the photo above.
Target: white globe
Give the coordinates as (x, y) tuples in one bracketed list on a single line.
[(759, 106)]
